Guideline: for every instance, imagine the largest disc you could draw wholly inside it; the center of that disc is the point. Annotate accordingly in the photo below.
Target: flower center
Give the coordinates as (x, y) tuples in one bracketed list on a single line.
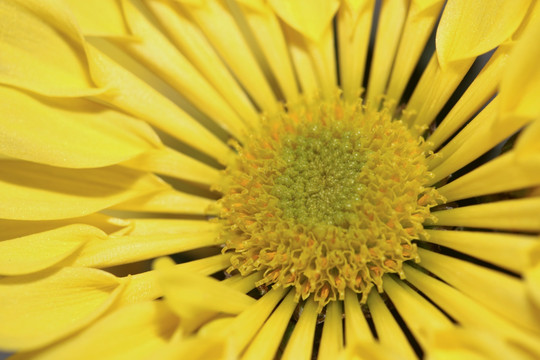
[(326, 197)]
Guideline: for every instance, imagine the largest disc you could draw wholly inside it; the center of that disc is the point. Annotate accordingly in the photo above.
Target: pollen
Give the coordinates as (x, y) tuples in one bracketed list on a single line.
[(326, 196)]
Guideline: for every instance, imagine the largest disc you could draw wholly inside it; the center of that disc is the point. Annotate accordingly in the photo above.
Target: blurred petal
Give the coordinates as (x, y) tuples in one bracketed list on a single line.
[(133, 332), (420, 21), (265, 345), (388, 331), (39, 251), (100, 18), (356, 326), (520, 86), (514, 215), (470, 28), (353, 30), (188, 37), (37, 309), (265, 26), (41, 49), (38, 192), (19, 228), (167, 161), (421, 317), (300, 344), (309, 17), (168, 201), (389, 30), (509, 251), (191, 294), (229, 42), (71, 133), (511, 172), (174, 68), (112, 251), (332, 334), (499, 292)]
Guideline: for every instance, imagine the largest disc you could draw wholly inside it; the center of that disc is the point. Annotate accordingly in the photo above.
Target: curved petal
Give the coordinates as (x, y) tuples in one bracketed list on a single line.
[(469, 28), (37, 309), (133, 332), (52, 60), (308, 17), (72, 133), (39, 251), (39, 192), (100, 18)]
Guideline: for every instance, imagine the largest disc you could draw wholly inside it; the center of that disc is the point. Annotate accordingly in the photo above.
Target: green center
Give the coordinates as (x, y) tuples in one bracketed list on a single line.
[(319, 183)]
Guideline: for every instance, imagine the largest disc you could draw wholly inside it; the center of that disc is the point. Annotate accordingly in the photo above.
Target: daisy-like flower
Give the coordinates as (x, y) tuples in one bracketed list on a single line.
[(260, 179)]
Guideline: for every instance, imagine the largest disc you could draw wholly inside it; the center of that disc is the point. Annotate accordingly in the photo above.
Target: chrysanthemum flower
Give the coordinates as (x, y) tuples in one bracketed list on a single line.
[(257, 179)]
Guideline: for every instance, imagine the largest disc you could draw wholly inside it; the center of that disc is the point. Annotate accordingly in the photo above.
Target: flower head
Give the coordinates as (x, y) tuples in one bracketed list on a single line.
[(269, 178)]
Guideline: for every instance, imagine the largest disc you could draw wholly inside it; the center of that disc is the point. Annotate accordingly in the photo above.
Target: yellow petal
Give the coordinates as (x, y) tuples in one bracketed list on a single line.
[(470, 143), (332, 334), (71, 133), (174, 68), (41, 49), (241, 329), (356, 326), (265, 27), (268, 339), (527, 146), (18, 228), (353, 30), (310, 18), (145, 286), (513, 252), (388, 331), (144, 227), (229, 42), (468, 312), (477, 94), (421, 317), (370, 350), (112, 251), (39, 192), (190, 294), (532, 282), (470, 28), (100, 18), (188, 37), (196, 348), (421, 18), (168, 201), (303, 64), (300, 344), (435, 87), (39, 251), (133, 332), (167, 161), (130, 93), (517, 215), (520, 86), (38, 309), (497, 291), (323, 59), (391, 19), (472, 344), (511, 172)]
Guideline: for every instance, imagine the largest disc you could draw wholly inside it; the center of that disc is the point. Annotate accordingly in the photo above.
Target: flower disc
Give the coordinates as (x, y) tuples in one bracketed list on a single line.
[(326, 197)]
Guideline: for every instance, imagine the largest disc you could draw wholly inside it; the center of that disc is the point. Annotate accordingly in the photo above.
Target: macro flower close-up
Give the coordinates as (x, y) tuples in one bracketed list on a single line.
[(269, 179)]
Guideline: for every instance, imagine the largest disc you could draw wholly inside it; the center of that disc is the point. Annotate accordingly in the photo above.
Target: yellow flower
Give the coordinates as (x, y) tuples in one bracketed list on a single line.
[(304, 217)]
